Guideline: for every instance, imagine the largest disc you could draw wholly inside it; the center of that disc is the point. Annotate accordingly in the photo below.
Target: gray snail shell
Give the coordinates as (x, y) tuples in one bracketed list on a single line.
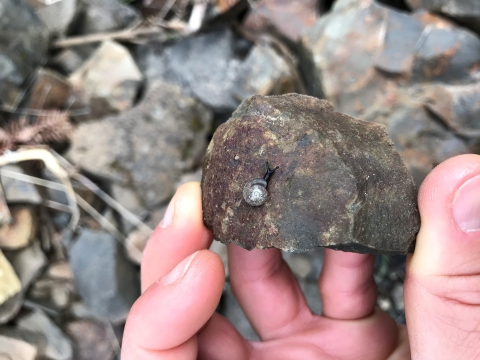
[(255, 192)]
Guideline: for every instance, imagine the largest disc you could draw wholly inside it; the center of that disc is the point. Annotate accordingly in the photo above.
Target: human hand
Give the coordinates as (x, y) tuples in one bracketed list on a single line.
[(175, 316)]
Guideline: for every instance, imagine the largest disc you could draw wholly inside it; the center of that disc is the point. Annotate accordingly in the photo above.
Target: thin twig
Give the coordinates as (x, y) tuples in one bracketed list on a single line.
[(99, 217), (122, 35), (51, 163), (165, 9), (33, 112)]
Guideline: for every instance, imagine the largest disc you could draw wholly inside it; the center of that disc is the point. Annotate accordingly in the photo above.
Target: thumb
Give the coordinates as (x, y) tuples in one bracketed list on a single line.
[(442, 288), (163, 322)]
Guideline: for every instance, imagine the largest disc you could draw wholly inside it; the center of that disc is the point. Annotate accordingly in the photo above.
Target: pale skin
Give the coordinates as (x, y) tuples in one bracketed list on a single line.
[(182, 282)]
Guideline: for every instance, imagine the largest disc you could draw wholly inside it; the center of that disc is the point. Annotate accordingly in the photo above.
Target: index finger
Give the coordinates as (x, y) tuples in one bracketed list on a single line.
[(172, 241)]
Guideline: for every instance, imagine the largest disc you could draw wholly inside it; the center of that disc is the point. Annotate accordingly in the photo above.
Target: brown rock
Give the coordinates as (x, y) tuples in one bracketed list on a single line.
[(339, 184), (21, 231), (288, 18)]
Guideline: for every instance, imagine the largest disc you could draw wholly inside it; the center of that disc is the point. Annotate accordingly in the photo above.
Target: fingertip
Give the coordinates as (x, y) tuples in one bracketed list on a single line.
[(442, 243), (170, 312), (188, 199), (178, 237)]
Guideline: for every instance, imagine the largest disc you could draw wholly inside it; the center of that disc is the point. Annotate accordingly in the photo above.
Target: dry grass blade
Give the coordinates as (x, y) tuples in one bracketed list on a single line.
[(127, 215), (52, 165)]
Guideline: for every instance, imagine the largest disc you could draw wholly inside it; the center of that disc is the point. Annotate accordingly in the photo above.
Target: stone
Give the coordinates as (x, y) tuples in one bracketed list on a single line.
[(10, 308), (21, 231), (5, 216), (60, 270), (422, 140), (458, 106), (11, 348), (146, 148), (51, 91), (57, 15), (97, 16), (217, 67), (397, 296), (27, 263), (312, 295), (300, 264), (58, 346), (339, 183), (230, 308), (23, 47), (204, 65), (68, 61), (363, 57), (135, 244), (9, 283), (263, 72), (92, 340), (350, 55), (195, 176), (289, 18), (466, 12), (104, 278), (221, 250), (18, 191), (109, 80)]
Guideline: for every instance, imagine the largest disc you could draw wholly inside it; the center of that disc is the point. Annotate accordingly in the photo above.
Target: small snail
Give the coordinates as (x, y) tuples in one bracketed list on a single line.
[(255, 191)]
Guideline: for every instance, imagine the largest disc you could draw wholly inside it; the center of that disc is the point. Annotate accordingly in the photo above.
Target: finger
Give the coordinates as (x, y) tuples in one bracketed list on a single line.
[(163, 322), (267, 291), (180, 234), (346, 284), (442, 287), (219, 340)]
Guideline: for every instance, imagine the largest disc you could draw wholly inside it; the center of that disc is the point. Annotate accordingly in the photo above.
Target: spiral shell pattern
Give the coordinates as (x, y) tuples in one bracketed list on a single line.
[(255, 192)]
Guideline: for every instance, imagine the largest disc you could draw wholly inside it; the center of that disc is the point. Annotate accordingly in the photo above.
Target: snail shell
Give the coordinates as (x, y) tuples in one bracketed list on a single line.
[(255, 192)]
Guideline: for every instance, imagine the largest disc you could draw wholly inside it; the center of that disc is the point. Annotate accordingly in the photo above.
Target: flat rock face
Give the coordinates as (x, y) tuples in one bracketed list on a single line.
[(148, 147), (466, 12), (23, 46), (340, 183), (231, 70), (363, 55)]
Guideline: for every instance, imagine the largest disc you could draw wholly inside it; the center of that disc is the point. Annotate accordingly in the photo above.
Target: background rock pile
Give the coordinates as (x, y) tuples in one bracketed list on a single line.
[(130, 92)]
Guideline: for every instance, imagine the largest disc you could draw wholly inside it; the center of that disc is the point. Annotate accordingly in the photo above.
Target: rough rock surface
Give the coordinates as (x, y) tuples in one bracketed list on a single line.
[(27, 263), (104, 277), (467, 12), (146, 148), (419, 135), (363, 55), (213, 67), (289, 18), (23, 46), (360, 46), (340, 182), (58, 346), (57, 15), (110, 79), (96, 16)]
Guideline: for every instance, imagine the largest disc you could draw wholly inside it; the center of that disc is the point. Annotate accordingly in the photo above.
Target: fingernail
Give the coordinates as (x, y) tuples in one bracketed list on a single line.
[(168, 217), (179, 270), (466, 205)]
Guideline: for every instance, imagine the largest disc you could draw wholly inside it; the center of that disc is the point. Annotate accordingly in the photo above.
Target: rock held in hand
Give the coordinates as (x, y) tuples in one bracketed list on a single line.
[(340, 182)]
